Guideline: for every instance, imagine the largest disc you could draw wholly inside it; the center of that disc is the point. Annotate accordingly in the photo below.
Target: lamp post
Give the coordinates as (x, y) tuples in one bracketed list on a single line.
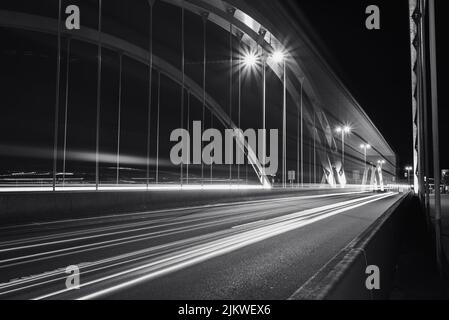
[(408, 168), (365, 147), (343, 130)]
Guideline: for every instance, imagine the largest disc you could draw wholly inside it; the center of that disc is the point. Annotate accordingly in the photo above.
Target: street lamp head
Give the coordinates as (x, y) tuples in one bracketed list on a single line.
[(250, 59), (347, 129), (338, 129), (365, 146), (278, 56)]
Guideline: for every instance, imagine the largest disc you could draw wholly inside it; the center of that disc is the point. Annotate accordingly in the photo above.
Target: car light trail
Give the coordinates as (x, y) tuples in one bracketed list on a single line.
[(196, 253)]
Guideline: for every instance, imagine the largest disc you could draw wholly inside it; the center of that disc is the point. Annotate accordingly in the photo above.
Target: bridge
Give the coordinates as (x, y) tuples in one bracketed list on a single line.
[(181, 149)]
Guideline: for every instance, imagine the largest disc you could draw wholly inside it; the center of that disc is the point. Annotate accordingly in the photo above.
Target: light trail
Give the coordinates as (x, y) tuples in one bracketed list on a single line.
[(195, 252), (175, 210)]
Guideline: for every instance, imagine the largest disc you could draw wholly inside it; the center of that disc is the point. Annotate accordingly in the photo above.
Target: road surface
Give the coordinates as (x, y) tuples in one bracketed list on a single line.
[(262, 249)]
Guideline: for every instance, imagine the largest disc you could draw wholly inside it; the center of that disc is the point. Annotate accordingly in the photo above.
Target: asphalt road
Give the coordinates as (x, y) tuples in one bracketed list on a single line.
[(263, 249)]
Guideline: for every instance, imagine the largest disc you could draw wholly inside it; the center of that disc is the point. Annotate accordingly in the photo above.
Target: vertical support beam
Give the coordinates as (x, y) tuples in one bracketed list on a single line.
[(314, 147), (231, 67), (157, 124), (119, 116), (97, 139), (239, 100), (284, 126), (302, 135), (264, 102), (150, 90), (58, 78), (205, 16), (66, 108), (424, 87), (435, 128), (183, 79), (188, 130), (343, 150)]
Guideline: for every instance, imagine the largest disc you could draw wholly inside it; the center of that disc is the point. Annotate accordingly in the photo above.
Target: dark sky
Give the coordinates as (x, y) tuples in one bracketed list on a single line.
[(375, 65)]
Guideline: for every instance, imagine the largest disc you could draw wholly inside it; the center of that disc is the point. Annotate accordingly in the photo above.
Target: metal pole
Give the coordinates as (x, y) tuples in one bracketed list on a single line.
[(205, 17), (66, 111), (424, 108), (210, 155), (119, 117), (264, 95), (97, 147), (284, 128), (342, 149), (157, 124), (183, 79), (302, 139), (298, 145), (150, 89), (239, 106), (188, 129), (314, 148), (58, 77), (231, 65)]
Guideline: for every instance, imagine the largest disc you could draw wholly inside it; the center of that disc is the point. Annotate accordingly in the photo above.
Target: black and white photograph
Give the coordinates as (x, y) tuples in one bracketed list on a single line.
[(224, 158)]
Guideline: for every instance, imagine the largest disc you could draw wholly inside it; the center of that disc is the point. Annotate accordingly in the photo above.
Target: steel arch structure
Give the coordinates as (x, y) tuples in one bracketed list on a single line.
[(261, 33)]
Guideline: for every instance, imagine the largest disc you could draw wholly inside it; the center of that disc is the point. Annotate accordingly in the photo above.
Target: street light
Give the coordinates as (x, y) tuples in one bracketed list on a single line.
[(278, 56), (409, 168), (343, 130), (365, 147), (380, 162), (250, 59)]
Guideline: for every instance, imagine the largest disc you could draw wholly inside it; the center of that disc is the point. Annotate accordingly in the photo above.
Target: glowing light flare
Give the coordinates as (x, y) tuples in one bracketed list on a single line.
[(365, 146), (345, 129), (278, 56), (250, 59)]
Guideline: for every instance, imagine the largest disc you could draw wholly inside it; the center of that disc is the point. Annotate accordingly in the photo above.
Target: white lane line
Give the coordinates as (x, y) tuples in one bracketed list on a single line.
[(202, 253)]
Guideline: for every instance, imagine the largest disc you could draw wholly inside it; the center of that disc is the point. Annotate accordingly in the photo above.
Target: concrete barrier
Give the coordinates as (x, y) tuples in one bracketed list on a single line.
[(27, 207), (344, 277)]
